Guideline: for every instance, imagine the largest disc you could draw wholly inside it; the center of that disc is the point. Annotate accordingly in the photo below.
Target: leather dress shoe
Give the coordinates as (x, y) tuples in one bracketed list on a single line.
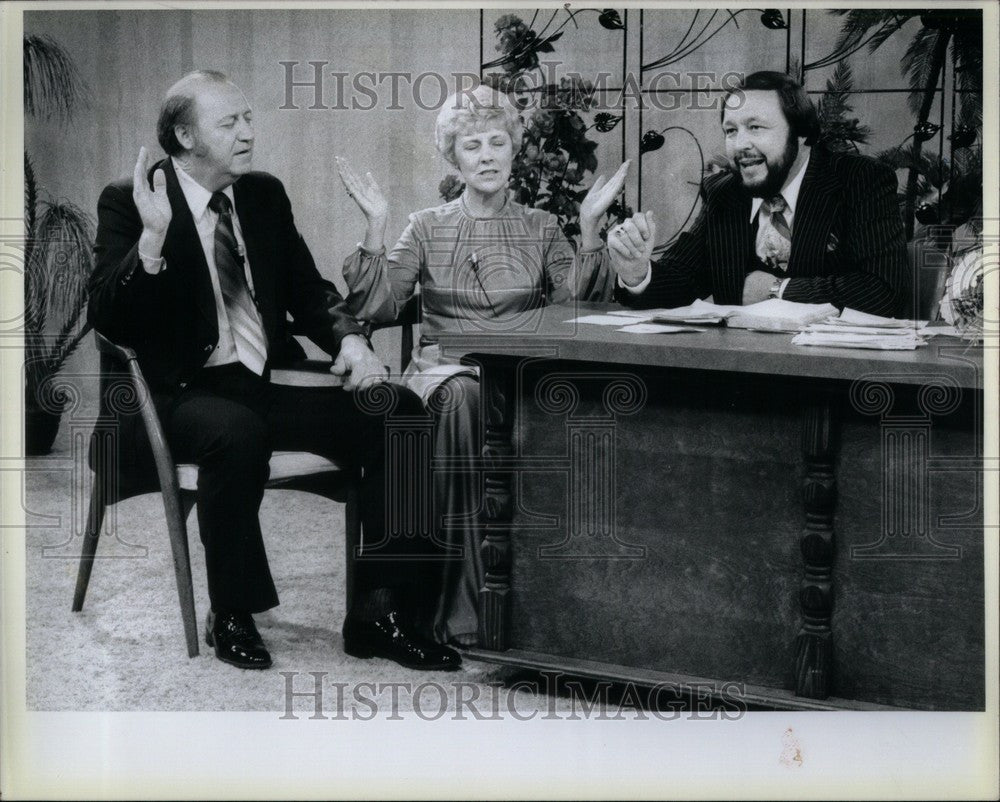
[(236, 641), (384, 637)]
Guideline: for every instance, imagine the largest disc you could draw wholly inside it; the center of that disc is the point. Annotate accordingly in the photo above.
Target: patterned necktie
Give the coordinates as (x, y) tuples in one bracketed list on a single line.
[(244, 319), (781, 240)]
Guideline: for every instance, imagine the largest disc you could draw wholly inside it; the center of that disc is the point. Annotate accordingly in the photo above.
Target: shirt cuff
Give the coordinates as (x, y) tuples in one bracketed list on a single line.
[(369, 252), (152, 265), (781, 289), (641, 286)]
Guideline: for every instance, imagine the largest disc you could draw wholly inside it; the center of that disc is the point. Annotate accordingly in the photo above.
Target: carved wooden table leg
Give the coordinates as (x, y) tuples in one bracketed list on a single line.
[(814, 643), (497, 401)]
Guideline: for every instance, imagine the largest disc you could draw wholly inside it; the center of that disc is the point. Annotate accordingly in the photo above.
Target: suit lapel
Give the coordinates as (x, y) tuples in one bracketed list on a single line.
[(182, 247), (818, 202)]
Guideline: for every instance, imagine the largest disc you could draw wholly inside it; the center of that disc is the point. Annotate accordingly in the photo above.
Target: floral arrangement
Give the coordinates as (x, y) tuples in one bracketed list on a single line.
[(556, 153), (962, 304)]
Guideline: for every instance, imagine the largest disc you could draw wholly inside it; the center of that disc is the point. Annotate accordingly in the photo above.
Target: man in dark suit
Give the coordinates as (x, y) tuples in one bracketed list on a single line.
[(198, 262), (788, 221)]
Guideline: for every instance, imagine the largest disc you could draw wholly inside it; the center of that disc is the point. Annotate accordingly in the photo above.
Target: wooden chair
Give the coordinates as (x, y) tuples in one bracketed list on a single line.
[(177, 483)]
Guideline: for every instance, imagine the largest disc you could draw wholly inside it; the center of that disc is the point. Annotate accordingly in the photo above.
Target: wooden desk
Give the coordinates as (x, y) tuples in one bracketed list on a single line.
[(725, 507)]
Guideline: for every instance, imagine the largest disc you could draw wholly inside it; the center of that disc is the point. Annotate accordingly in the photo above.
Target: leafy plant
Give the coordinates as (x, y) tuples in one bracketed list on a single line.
[(556, 153), (942, 31), (838, 130), (58, 243)]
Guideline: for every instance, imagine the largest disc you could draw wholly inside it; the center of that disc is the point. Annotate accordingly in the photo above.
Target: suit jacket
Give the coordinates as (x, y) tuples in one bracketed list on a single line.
[(848, 243), (170, 318)]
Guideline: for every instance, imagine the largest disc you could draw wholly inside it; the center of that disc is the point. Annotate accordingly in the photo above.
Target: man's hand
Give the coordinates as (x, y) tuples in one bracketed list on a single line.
[(152, 204), (757, 287), (630, 246), (358, 363)]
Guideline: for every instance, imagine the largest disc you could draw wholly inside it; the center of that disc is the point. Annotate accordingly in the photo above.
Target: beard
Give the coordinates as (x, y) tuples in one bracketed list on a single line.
[(777, 172)]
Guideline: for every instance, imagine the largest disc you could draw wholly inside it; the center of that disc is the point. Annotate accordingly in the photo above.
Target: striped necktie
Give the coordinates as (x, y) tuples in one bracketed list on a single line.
[(775, 208), (244, 319)]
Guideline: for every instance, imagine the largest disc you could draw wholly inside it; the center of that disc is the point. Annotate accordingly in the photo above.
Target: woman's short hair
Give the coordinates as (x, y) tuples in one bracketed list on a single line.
[(178, 107), (474, 111), (795, 104)]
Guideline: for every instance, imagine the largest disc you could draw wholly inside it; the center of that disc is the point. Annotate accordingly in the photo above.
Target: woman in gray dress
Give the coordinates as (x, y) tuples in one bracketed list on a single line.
[(483, 262)]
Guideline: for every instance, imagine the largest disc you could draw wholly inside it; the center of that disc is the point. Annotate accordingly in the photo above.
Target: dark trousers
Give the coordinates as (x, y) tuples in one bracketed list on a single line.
[(228, 421)]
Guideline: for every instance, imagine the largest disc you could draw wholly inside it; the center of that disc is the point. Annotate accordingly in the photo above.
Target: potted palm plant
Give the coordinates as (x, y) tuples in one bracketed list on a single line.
[(58, 251)]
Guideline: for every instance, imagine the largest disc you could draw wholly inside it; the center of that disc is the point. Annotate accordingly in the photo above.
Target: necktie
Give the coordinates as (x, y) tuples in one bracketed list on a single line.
[(778, 241), (244, 319)]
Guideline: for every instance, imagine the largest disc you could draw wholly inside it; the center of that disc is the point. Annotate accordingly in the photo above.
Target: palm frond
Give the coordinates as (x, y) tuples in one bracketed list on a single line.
[(881, 36), (62, 261), (53, 87), (837, 130), (918, 66), (967, 58), (30, 205), (858, 22)]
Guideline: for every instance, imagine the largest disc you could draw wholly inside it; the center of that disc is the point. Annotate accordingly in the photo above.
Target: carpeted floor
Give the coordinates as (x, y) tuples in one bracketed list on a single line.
[(125, 650)]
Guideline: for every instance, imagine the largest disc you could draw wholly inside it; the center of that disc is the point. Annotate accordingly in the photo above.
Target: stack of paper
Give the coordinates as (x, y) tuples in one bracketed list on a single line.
[(853, 329), (698, 312), (776, 314)]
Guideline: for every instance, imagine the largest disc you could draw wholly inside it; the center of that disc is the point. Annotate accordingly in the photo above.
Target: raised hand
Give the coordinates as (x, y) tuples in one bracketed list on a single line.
[(366, 193), (600, 196), (630, 246), (152, 204)]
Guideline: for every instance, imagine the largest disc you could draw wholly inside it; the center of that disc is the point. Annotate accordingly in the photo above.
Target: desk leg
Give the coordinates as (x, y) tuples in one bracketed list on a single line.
[(814, 644), (497, 401)]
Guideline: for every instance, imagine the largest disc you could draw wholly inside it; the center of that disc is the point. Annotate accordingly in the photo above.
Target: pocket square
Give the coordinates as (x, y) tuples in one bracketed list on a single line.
[(832, 242)]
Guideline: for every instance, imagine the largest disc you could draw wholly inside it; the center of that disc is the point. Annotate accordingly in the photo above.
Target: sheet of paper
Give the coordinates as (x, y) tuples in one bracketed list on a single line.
[(601, 320), (638, 314), (852, 317), (657, 328), (858, 341), (873, 331)]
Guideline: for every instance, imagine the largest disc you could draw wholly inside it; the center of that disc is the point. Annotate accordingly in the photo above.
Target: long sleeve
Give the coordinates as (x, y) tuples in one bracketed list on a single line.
[(379, 285), (124, 298), (569, 276), (678, 277), (876, 247)]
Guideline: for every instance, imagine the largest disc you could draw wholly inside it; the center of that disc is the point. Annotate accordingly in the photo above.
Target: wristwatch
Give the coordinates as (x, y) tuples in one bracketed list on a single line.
[(775, 289)]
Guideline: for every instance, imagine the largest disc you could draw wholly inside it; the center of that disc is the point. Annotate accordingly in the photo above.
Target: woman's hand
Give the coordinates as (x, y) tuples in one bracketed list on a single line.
[(600, 196), (366, 193)]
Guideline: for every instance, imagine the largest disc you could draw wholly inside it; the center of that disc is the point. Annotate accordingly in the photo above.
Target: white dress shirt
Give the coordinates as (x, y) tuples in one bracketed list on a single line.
[(205, 219), (790, 192)]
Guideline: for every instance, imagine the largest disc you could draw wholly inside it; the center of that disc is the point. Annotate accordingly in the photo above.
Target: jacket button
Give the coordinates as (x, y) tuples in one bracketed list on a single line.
[(208, 348)]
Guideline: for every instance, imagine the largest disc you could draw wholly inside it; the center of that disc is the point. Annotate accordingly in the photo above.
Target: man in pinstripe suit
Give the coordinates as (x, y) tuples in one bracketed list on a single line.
[(788, 221)]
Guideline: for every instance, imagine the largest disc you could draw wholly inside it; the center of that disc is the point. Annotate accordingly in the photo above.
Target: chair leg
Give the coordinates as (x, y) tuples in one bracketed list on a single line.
[(175, 512), (352, 538), (95, 520)]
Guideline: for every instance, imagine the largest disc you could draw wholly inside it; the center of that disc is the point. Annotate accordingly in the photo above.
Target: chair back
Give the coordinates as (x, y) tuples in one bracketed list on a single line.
[(128, 449), (409, 317)]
